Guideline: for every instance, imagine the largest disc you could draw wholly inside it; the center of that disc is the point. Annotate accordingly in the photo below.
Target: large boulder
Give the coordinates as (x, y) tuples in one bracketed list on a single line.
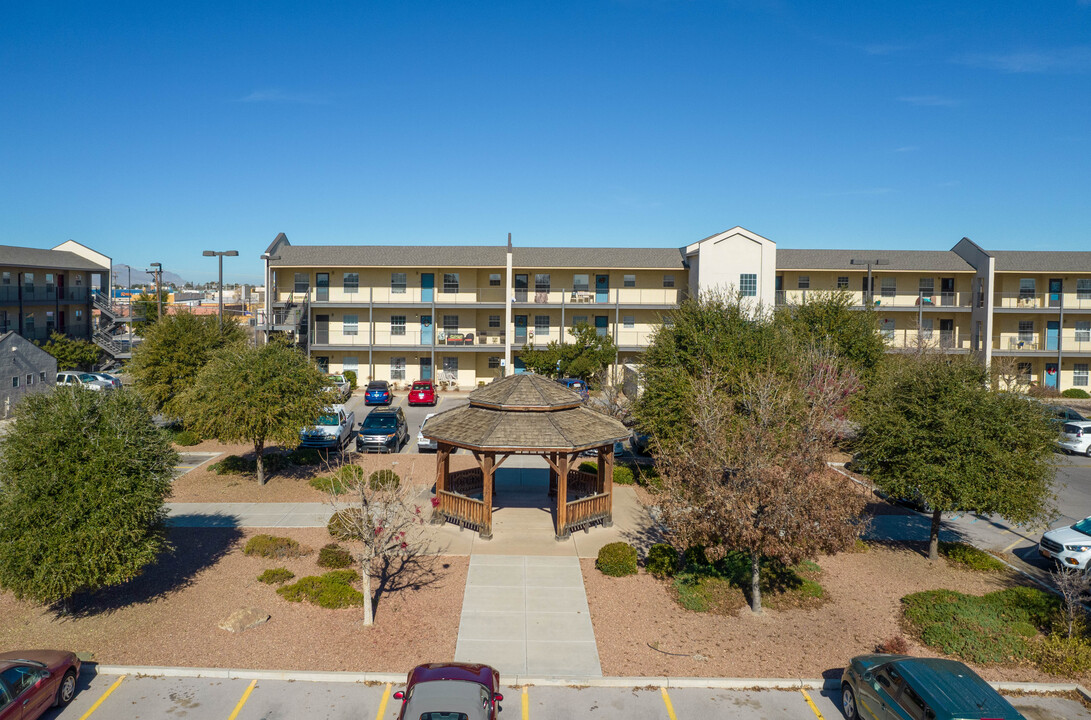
[(244, 619)]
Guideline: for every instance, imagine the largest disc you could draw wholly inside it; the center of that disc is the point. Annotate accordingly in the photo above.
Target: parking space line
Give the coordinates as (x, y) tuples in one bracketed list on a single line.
[(383, 702), (810, 702), (102, 698), (242, 701), (1009, 547), (667, 702), (526, 704)]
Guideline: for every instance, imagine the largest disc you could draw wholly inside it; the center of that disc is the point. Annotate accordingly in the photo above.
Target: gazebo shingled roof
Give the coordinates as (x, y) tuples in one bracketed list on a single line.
[(486, 429), (527, 392)]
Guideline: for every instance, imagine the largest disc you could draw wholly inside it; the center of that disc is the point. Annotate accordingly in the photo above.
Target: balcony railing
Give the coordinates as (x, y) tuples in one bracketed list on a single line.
[(42, 293), (387, 338), (555, 297), (953, 299), (1080, 300), (940, 339)]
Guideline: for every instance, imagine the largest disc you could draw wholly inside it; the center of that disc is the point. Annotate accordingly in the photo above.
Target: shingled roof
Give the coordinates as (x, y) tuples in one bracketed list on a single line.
[(39, 258), (1027, 261), (900, 260), (525, 392)]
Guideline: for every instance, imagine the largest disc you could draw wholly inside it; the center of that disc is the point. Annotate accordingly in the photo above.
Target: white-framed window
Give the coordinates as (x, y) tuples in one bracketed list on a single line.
[(350, 363), (579, 320), (668, 281), (350, 324), (494, 279), (397, 284), (450, 368), (450, 282), (541, 324), (1026, 287), (1083, 288), (397, 368), (926, 286), (494, 322), (888, 287), (494, 362), (541, 282), (350, 283), (1026, 331), (581, 283), (450, 323), (79, 281), (803, 282), (397, 324), (748, 284), (628, 322), (886, 327), (1079, 374), (41, 377), (5, 278), (842, 282), (1083, 331), (628, 280)]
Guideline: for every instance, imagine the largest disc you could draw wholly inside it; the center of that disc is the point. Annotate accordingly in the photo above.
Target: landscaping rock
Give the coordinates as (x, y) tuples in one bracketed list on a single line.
[(244, 619)]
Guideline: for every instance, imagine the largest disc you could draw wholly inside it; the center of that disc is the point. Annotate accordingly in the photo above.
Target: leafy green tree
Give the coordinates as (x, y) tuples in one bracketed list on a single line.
[(256, 395), (584, 357), (932, 429), (83, 479), (71, 353), (174, 350), (144, 306), (828, 319)]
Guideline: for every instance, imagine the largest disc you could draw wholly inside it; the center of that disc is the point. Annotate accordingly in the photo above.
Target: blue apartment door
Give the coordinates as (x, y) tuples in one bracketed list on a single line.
[(426, 368), (602, 288), (601, 325), (1053, 333), (521, 329), (520, 366), (425, 332), (427, 285), (1051, 375), (1056, 286)]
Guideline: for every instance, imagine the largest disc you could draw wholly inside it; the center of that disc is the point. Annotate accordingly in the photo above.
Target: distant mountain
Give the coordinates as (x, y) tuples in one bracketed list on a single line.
[(139, 277)]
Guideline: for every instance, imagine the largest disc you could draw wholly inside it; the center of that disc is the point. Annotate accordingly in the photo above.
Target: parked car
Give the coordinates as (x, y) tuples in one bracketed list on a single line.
[(333, 429), (1075, 437), (423, 392), (82, 379), (1069, 545), (32, 681), (424, 445), (112, 380), (576, 385), (1060, 414), (383, 430), (340, 386), (378, 393), (895, 687), (450, 691), (639, 442)]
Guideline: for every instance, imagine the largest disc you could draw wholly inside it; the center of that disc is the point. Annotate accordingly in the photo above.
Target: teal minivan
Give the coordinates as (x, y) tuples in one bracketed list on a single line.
[(897, 687)]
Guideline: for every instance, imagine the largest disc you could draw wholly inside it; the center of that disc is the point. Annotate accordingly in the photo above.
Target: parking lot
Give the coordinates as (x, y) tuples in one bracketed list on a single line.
[(134, 696), (414, 414)]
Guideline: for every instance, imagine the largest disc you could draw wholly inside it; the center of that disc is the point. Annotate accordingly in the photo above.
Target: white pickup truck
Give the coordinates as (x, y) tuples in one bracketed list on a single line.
[(341, 386), (333, 429)]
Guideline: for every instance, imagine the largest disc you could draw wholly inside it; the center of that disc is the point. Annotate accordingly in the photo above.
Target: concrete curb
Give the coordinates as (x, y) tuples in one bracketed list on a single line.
[(558, 681)]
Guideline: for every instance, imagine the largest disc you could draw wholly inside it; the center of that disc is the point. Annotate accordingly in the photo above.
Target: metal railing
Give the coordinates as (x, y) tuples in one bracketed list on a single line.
[(859, 298), (1027, 300), (554, 297)]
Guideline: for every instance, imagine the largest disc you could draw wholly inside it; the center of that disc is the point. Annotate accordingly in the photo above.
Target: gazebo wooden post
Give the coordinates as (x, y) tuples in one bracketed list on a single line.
[(562, 496), (606, 468), (488, 469), (552, 474), (443, 467)]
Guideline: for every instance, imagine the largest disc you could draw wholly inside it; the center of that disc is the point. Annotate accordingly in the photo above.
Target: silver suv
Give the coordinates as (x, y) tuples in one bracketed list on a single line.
[(82, 379)]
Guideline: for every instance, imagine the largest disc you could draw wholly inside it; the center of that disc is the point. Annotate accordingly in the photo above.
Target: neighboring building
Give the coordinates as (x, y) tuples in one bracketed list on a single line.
[(24, 368)]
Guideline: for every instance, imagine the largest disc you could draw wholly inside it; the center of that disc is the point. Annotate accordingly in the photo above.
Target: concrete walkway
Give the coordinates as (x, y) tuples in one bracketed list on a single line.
[(527, 615), (271, 515)]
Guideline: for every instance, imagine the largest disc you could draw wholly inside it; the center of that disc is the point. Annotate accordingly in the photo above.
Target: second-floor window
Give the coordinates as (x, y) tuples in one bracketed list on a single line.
[(397, 324), (668, 281), (351, 325), (541, 324), (1083, 331), (842, 282), (541, 283), (803, 282), (450, 323), (926, 287), (1026, 331), (494, 322), (5, 278), (581, 283), (1083, 289), (579, 320), (1026, 287), (397, 283), (350, 282), (450, 282), (28, 281), (494, 279), (628, 322), (628, 280), (888, 287), (302, 283), (748, 284)]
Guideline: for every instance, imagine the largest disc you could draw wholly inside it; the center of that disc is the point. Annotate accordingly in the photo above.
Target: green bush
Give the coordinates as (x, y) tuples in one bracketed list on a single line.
[(384, 480), (344, 479), (694, 559), (1078, 393), (334, 556), (273, 546), (1061, 655), (662, 560), (305, 456), (617, 559), (648, 476), (186, 438), (276, 576), (332, 590), (235, 465), (991, 628), (589, 467), (623, 474), (343, 523), (350, 375), (970, 556)]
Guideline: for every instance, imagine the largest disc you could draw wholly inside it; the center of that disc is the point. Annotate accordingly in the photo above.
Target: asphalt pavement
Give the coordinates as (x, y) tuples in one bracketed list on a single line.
[(414, 414)]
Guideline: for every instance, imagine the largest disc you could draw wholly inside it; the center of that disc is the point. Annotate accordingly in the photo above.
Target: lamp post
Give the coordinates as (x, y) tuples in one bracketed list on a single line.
[(220, 255), (268, 297), (869, 263), (158, 270)]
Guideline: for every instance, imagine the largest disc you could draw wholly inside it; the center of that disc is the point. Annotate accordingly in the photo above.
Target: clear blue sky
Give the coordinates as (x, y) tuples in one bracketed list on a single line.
[(152, 131)]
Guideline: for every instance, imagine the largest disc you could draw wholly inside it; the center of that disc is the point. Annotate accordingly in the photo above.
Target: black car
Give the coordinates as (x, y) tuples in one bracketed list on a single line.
[(383, 430)]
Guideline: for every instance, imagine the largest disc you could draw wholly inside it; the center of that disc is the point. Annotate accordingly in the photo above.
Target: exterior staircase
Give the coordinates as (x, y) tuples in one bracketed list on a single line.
[(113, 318)]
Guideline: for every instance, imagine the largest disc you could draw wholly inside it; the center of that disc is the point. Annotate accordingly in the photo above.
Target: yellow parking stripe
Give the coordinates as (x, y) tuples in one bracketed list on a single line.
[(104, 696), (242, 701), (667, 702), (526, 704), (383, 702), (811, 703)]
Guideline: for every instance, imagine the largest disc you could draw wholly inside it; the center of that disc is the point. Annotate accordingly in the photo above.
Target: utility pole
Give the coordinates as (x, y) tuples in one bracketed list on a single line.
[(158, 292), (220, 255), (870, 282)]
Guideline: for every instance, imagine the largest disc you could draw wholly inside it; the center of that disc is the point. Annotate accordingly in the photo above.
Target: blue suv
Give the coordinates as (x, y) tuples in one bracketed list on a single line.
[(378, 393)]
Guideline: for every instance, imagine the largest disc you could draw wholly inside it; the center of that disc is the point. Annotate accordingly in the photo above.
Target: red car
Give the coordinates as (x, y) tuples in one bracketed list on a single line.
[(423, 392), (32, 681), (450, 691)]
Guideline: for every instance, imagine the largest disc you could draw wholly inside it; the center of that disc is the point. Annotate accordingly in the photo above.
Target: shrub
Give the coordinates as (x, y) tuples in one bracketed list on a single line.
[(970, 556), (350, 375), (896, 645), (662, 560), (384, 480), (1076, 393), (334, 556), (344, 522), (694, 559), (623, 474), (305, 456), (185, 438), (1040, 391), (273, 546), (332, 590), (276, 576), (589, 467), (235, 465), (1062, 655), (617, 559), (344, 479)]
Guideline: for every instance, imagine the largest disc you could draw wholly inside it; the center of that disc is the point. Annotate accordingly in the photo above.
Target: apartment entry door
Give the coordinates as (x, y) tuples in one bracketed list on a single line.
[(521, 283), (425, 332), (322, 287), (427, 287), (322, 329), (1053, 334), (602, 288), (946, 333), (426, 368), (1056, 286), (521, 329), (947, 291), (1051, 375), (601, 325)]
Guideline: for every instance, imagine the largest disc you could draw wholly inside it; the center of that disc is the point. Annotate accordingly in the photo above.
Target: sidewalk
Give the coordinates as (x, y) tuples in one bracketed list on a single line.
[(271, 515)]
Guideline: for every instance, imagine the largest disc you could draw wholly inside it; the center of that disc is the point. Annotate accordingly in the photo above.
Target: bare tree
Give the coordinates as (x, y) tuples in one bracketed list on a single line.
[(753, 477), (611, 399), (1075, 589), (1007, 376), (380, 513)]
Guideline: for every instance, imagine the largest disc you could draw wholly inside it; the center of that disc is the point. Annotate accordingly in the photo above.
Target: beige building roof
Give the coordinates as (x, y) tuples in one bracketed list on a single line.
[(13, 256), (1028, 261), (900, 260)]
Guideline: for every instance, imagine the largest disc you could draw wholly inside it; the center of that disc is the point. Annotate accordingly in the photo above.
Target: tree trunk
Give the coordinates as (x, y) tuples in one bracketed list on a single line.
[(369, 611), (259, 447), (933, 537), (755, 583)]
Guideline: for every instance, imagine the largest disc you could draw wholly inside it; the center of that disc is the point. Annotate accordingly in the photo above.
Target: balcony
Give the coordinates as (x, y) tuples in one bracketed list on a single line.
[(652, 297), (408, 338), (1047, 301), (929, 300), (911, 338), (39, 294)]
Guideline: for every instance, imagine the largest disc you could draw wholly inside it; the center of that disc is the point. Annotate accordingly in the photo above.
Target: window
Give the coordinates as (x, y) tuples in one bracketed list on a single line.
[(1083, 289), (28, 323), (79, 315), (629, 280), (541, 282), (494, 322), (79, 280), (1083, 331), (541, 324), (450, 282), (302, 283), (628, 322), (28, 279), (397, 368), (397, 324), (6, 278), (494, 279), (1026, 287), (668, 281), (494, 363), (450, 323), (30, 378), (1024, 372), (450, 368), (581, 283), (397, 284), (1026, 331), (914, 706), (926, 328), (927, 286), (579, 320), (886, 327), (803, 282), (15, 381), (748, 284), (1079, 374), (350, 324), (842, 282), (49, 280), (888, 287), (350, 364), (350, 283), (41, 377)]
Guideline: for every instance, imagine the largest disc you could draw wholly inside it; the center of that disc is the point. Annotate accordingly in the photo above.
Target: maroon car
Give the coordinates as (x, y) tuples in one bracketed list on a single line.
[(450, 691), (32, 681)]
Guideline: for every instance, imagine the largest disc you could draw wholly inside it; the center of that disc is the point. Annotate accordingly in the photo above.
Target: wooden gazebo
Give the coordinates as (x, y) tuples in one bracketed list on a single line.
[(525, 414)]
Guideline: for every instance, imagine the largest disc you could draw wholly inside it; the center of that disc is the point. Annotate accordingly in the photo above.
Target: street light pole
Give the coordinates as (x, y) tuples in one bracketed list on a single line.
[(220, 255), (158, 292)]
